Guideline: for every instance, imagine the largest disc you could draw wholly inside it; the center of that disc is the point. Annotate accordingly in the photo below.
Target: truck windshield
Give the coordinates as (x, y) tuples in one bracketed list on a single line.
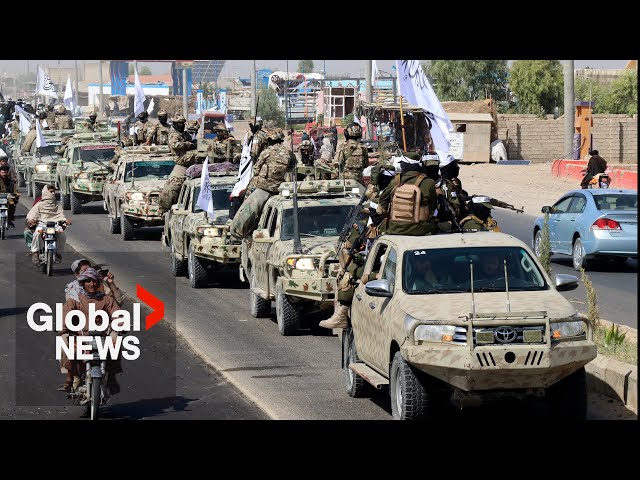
[(100, 153), (220, 195), (447, 270), (317, 221), (141, 171), (48, 150)]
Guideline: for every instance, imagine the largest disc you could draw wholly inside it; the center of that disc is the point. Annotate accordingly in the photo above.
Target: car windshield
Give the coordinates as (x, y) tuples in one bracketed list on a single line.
[(220, 194), (97, 153), (616, 201), (448, 270), (316, 221), (48, 150), (159, 170)]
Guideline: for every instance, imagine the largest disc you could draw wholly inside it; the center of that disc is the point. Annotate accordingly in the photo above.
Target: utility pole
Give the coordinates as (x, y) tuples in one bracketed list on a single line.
[(185, 109), (368, 87), (254, 90), (569, 108), (101, 92), (75, 102)]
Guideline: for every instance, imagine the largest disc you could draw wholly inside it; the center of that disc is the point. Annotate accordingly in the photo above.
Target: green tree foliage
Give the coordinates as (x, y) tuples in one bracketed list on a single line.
[(537, 84), (269, 109), (305, 66), (142, 70), (545, 246), (466, 80), (619, 97)]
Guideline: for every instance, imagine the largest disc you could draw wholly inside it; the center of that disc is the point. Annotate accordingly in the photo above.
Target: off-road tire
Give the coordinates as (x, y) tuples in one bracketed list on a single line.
[(65, 201), (114, 225), (356, 385), (21, 180), (287, 316), (126, 228), (76, 204), (178, 265), (196, 269), (95, 398), (409, 398), (260, 308)]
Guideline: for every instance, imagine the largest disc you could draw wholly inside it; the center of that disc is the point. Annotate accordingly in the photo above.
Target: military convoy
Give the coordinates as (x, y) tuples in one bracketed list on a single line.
[(132, 191), (465, 318), (84, 167), (304, 281), (41, 163), (197, 242)]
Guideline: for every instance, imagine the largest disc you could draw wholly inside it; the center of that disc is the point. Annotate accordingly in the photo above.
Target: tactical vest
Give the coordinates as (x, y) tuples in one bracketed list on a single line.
[(406, 204), (491, 225), (354, 157), (162, 135)]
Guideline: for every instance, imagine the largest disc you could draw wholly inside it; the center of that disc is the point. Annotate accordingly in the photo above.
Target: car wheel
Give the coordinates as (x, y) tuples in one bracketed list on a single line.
[(65, 200), (537, 241), (260, 308), (36, 190), (21, 180), (409, 399), (567, 399), (114, 225), (126, 228), (76, 204), (197, 270), (287, 316), (579, 261), (29, 189), (356, 385), (178, 264)]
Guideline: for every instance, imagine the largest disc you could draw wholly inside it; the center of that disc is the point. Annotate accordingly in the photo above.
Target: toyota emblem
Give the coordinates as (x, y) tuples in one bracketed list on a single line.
[(505, 334)]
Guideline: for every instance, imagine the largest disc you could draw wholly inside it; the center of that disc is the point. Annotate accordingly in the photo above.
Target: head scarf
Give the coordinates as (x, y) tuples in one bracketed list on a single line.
[(48, 207), (90, 273)]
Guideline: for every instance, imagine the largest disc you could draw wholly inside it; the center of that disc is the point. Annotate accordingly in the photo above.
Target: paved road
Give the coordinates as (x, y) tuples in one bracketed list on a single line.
[(288, 377), (168, 381), (616, 286)]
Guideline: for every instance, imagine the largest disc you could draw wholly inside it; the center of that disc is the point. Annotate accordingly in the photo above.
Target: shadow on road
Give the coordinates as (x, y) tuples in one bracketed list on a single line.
[(145, 408), (630, 266)]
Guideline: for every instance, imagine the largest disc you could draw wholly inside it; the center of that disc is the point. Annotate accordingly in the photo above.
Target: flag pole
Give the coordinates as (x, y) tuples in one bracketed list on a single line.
[(404, 139)]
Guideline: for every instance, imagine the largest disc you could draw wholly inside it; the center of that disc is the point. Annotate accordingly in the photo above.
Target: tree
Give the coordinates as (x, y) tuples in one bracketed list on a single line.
[(305, 66), (466, 80), (269, 109), (537, 84), (143, 70), (623, 94)]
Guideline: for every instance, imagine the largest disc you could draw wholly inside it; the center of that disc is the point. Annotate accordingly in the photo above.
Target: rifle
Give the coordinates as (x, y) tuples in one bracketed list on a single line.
[(352, 218), (353, 251), (499, 203), (443, 202)]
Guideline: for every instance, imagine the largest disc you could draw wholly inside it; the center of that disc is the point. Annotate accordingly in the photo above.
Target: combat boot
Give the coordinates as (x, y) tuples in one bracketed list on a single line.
[(339, 319)]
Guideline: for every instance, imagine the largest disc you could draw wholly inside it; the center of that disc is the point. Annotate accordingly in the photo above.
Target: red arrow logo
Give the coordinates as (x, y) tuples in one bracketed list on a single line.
[(157, 305)]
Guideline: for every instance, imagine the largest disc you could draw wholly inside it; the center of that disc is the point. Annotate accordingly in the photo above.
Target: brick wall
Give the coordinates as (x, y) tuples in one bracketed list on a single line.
[(528, 137)]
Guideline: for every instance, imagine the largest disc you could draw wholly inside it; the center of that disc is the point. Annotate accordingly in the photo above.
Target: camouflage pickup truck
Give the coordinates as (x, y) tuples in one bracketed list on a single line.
[(302, 282), (132, 191), (198, 243), (84, 167), (465, 319), (41, 163)]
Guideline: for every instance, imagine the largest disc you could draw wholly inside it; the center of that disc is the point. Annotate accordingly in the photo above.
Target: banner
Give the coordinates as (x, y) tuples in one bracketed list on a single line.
[(138, 105), (415, 88), (44, 85), (246, 168), (40, 141), (118, 73), (68, 94), (205, 198), (25, 122)]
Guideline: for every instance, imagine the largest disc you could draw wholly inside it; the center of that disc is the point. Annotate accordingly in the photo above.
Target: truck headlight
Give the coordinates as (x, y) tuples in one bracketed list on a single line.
[(301, 263), (429, 333), (43, 167), (567, 329), (135, 196), (209, 232), (82, 176)]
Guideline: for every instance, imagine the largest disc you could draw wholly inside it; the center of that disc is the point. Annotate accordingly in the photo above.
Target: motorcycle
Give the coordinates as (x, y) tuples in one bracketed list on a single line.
[(47, 254), (6, 199), (601, 180), (92, 391)]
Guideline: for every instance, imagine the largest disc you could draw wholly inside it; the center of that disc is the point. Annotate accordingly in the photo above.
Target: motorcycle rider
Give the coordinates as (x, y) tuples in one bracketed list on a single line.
[(8, 185), (47, 209), (92, 292)]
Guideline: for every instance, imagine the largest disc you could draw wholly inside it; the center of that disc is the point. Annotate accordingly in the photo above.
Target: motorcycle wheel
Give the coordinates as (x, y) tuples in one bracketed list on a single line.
[(95, 398), (49, 262), (3, 228)]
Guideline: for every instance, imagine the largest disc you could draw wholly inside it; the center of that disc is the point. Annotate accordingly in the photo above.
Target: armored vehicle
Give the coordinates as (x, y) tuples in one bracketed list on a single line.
[(41, 163), (132, 191), (465, 319), (199, 243), (300, 282)]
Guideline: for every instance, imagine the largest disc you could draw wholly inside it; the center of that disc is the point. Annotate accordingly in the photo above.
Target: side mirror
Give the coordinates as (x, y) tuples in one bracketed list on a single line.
[(547, 209), (379, 288), (565, 282), (262, 236)]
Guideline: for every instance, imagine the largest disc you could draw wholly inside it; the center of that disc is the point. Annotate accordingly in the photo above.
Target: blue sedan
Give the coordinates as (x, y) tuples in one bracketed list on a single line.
[(592, 224)]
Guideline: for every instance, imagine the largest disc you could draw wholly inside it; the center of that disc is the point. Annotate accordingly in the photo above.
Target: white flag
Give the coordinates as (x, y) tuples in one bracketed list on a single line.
[(416, 89), (25, 123), (40, 141), (138, 105), (246, 168), (68, 94), (374, 72), (150, 107), (205, 198), (44, 85)]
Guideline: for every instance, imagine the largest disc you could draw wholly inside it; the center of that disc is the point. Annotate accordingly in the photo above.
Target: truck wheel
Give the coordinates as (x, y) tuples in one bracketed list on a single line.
[(65, 200), (21, 180), (36, 189), (260, 308), (196, 269), (126, 228), (356, 385), (29, 190), (287, 316), (178, 265), (76, 204), (567, 399), (114, 225), (409, 399)]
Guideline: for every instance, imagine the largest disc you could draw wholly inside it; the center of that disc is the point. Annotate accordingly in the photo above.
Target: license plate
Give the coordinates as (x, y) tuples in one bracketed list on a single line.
[(51, 246), (96, 372)]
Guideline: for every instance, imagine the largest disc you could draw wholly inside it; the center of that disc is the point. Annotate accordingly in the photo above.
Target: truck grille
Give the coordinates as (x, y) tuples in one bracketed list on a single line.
[(486, 336), (154, 198)]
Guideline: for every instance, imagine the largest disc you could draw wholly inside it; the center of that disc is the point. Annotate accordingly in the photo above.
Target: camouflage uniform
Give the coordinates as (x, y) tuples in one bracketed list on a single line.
[(352, 157), (180, 145), (479, 216), (158, 133), (61, 120), (258, 143), (15, 130)]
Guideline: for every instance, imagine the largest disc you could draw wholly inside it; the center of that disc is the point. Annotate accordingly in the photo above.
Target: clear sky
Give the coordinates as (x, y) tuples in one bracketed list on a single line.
[(242, 68)]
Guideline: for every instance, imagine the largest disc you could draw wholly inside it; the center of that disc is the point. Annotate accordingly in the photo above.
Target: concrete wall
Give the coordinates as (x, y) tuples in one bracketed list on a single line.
[(528, 137)]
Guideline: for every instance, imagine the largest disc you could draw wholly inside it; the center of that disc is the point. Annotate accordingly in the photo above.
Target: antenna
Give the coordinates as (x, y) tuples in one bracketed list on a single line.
[(133, 175), (506, 281), (473, 303)]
